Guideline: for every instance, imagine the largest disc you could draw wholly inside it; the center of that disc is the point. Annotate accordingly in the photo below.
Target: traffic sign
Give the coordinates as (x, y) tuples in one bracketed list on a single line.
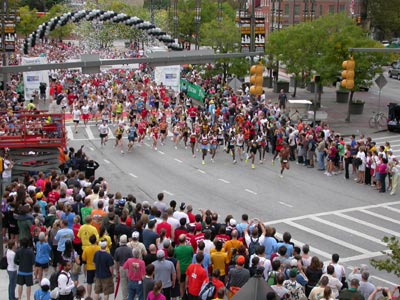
[(381, 81)]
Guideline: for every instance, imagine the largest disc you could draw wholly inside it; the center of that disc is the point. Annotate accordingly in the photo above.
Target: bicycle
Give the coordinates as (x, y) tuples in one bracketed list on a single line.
[(378, 120)]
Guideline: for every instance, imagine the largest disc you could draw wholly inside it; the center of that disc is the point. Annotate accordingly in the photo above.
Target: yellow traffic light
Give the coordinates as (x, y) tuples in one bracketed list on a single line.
[(256, 79), (348, 74)]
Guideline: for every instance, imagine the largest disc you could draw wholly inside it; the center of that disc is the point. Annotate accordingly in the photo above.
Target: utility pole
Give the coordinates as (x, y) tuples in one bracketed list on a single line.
[(252, 29)]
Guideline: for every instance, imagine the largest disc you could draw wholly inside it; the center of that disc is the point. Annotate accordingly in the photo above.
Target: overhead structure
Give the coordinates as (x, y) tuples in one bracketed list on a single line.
[(98, 15)]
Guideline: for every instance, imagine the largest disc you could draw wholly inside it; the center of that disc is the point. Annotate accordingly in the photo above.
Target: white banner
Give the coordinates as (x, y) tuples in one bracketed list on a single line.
[(33, 79), (169, 76)]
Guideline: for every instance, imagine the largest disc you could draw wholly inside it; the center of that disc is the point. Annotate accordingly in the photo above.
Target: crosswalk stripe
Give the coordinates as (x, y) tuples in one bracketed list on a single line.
[(392, 209), (385, 137), (349, 230), (368, 224), (89, 133), (380, 216), (70, 134), (326, 237), (362, 256)]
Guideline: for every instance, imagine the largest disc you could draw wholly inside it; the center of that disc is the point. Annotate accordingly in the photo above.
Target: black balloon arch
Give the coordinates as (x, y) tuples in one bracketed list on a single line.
[(99, 15)]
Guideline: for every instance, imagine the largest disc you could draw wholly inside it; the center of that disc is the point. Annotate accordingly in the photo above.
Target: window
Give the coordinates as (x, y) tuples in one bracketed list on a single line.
[(342, 8), (332, 9), (297, 10), (321, 10), (286, 10)]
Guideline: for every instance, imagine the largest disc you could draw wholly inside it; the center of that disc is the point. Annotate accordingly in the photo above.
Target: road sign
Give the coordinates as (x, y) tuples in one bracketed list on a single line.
[(381, 81)]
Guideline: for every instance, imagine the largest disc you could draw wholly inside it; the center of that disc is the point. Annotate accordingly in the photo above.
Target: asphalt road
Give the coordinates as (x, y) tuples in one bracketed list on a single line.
[(331, 214)]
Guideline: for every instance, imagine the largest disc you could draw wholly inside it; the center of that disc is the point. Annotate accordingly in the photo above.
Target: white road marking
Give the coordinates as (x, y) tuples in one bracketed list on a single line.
[(106, 161), (161, 152), (326, 237), (367, 224), (147, 144), (361, 256), (201, 171), (360, 208), (384, 280), (178, 160), (133, 175), (223, 180), (250, 191), (385, 137), (392, 209), (70, 133), (89, 133), (285, 204), (168, 193), (351, 231), (91, 148), (380, 216)]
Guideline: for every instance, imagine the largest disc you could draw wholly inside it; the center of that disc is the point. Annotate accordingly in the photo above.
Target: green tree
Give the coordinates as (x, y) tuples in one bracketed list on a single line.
[(28, 21), (385, 16), (391, 263)]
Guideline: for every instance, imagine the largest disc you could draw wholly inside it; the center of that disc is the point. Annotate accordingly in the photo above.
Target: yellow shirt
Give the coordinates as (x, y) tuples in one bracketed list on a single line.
[(109, 242), (85, 232), (219, 260), (230, 245), (88, 255)]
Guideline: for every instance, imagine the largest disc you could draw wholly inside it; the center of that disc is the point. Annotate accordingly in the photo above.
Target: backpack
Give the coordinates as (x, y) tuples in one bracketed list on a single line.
[(252, 246), (207, 291), (54, 279), (271, 278), (296, 291)]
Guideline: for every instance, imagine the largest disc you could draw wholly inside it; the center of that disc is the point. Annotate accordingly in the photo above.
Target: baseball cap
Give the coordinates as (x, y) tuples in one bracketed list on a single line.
[(103, 244), (39, 195), (293, 273), (123, 239), (44, 282), (232, 222), (135, 235), (198, 227), (240, 260), (160, 254), (293, 262), (182, 206)]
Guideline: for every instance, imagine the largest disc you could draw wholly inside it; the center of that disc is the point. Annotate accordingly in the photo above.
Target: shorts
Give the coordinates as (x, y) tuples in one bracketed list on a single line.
[(131, 139), (85, 117), (76, 121), (118, 137), (43, 266), (104, 285), (90, 276), (204, 147), (213, 147), (103, 135), (183, 278), (25, 280), (163, 131)]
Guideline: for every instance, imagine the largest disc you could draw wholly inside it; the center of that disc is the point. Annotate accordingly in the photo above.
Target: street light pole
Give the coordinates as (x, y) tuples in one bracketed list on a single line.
[(197, 20)]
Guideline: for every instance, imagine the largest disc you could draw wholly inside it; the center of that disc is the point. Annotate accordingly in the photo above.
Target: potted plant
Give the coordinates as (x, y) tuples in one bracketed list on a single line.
[(281, 85), (357, 107), (342, 95)]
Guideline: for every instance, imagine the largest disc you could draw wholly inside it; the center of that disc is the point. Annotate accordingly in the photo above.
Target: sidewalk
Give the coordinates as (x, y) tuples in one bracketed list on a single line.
[(337, 112)]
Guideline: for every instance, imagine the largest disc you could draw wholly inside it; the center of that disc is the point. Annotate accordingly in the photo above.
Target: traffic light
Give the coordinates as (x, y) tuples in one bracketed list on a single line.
[(358, 20), (348, 74), (256, 79)]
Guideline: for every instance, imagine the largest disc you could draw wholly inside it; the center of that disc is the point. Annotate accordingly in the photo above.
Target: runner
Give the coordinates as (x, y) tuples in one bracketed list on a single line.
[(141, 131), (231, 146), (284, 155), (118, 111), (154, 134), (240, 144), (279, 145), (204, 146), (85, 112), (118, 137), (213, 144), (76, 115), (185, 134), (176, 131), (253, 151), (103, 129), (131, 131), (163, 130), (192, 139)]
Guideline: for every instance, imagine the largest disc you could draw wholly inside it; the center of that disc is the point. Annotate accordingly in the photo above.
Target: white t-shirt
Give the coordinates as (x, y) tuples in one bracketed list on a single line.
[(103, 129), (76, 114), (7, 169)]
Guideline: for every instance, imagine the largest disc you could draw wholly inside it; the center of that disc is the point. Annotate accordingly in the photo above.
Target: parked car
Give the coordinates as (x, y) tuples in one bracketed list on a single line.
[(394, 70)]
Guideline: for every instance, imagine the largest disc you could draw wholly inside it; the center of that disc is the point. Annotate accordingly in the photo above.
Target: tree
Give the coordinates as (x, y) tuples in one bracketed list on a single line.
[(391, 263), (385, 17), (28, 22)]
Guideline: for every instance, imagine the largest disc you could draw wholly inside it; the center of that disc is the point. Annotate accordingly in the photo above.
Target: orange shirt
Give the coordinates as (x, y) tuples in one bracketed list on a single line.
[(230, 245), (196, 275), (97, 216)]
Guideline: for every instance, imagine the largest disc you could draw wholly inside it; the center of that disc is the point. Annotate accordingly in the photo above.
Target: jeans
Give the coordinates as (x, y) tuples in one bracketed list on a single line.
[(12, 283), (135, 288), (321, 160), (383, 182)]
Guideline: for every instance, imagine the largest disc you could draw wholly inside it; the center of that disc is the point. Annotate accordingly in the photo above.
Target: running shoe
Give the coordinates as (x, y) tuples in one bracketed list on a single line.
[(234, 162), (273, 162), (203, 162), (253, 166)]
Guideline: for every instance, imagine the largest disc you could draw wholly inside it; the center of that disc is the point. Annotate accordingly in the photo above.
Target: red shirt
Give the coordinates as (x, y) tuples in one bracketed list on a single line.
[(166, 226), (192, 219), (53, 197), (136, 269), (75, 229), (196, 275)]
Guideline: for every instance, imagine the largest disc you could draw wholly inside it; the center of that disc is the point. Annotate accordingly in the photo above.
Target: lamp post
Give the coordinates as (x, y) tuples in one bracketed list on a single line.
[(272, 26), (197, 20)]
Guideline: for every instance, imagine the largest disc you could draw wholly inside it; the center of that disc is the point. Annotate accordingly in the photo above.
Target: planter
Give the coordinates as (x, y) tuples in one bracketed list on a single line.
[(267, 82), (342, 96), (356, 108), (281, 85), (311, 88)]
